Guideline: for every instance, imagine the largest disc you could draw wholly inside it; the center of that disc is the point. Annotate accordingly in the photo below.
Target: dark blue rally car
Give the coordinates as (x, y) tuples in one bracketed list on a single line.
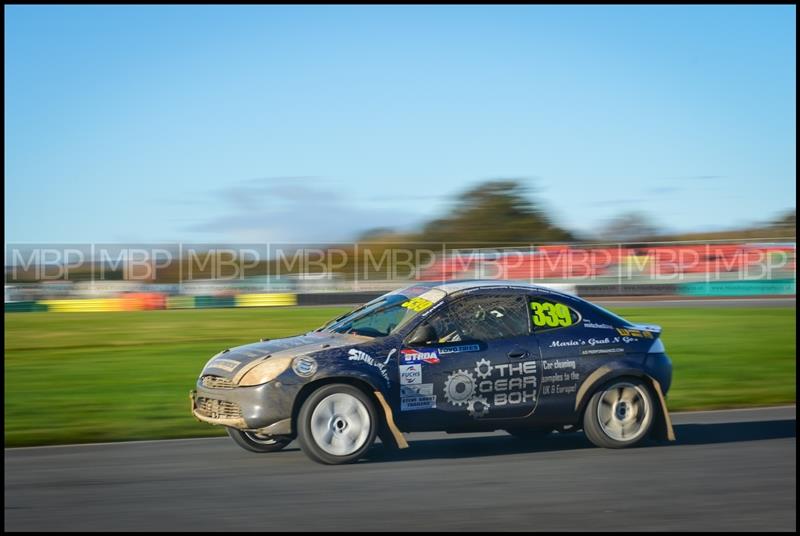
[(462, 356)]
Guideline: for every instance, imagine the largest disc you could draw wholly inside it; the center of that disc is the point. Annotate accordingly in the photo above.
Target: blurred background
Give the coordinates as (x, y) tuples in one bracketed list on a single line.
[(212, 175)]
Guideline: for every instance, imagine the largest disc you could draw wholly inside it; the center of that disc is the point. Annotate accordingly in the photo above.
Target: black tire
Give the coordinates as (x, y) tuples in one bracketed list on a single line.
[(628, 408), (362, 422), (257, 443), (529, 434)]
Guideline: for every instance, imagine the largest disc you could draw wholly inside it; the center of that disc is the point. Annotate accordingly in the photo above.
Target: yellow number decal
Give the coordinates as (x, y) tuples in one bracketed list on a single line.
[(417, 304), (562, 312), (538, 317), (551, 319), (551, 314)]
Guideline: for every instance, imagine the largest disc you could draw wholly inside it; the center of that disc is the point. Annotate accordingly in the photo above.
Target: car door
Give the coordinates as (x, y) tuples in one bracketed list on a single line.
[(571, 347), (482, 364)]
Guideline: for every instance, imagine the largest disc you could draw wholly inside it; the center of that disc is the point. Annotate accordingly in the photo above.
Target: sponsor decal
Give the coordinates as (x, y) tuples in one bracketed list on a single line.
[(414, 356), (418, 402), (559, 377), (460, 348), (358, 355), (595, 341), (592, 325), (410, 374), (594, 351), (638, 333), (422, 389), (417, 305), (560, 344), (304, 366), (490, 385), (227, 365)]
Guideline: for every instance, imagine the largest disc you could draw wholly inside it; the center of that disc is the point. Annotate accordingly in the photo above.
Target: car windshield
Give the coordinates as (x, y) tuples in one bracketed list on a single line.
[(386, 314)]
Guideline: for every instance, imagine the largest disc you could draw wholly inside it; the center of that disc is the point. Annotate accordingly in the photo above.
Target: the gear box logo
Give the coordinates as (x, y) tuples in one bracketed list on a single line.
[(487, 386)]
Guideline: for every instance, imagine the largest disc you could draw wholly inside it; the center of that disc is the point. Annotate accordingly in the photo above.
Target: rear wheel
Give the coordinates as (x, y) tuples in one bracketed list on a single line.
[(619, 414), (337, 424), (256, 442)]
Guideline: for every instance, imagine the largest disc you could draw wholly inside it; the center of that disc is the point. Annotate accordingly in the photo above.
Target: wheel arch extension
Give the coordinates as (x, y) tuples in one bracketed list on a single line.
[(387, 432), (663, 428)]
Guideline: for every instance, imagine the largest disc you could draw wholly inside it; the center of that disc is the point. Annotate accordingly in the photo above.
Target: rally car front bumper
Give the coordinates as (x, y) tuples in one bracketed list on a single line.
[(256, 408)]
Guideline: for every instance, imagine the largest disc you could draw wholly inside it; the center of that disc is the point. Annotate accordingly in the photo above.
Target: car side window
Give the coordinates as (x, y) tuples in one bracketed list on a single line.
[(480, 318), (547, 314)]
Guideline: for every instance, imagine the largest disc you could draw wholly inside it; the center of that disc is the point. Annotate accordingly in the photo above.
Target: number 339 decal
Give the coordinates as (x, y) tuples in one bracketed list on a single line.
[(551, 314)]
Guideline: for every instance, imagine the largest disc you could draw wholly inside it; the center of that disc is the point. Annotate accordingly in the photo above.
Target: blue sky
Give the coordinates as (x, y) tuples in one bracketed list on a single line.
[(306, 123)]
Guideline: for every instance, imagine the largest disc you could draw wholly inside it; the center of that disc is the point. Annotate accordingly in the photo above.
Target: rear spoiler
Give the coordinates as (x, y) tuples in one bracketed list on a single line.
[(648, 331)]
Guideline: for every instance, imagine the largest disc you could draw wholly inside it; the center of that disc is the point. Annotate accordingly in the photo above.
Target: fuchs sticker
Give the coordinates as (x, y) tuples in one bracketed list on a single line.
[(458, 349), (418, 402), (414, 356), (410, 374)]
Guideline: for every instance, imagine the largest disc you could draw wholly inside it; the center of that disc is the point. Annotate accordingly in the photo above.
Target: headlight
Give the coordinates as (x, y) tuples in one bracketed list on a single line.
[(265, 371)]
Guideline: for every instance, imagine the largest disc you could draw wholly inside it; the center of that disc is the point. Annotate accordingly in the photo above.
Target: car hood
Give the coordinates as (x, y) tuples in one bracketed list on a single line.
[(234, 362)]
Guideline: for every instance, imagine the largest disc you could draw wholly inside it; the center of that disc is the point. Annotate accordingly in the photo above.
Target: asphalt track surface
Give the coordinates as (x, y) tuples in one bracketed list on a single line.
[(729, 470)]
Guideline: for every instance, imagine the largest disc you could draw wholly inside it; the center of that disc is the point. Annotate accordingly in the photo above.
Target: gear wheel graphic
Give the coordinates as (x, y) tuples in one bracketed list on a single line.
[(478, 407), (483, 363), (459, 387)]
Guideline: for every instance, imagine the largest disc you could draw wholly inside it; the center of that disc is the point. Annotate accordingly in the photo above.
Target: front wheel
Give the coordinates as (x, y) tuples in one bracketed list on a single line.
[(337, 424), (255, 442), (619, 414)]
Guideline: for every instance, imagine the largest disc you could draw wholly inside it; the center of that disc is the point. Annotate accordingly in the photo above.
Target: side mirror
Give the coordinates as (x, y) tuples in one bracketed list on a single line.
[(423, 335)]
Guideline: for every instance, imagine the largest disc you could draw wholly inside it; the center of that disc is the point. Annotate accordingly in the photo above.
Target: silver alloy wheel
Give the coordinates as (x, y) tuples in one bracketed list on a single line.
[(624, 411), (340, 424), (261, 439)]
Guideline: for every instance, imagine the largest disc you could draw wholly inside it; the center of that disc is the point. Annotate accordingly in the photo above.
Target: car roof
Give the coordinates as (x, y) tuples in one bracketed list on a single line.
[(453, 287)]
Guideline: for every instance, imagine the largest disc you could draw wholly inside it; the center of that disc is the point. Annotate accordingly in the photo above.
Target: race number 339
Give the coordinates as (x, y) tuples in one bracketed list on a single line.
[(550, 314)]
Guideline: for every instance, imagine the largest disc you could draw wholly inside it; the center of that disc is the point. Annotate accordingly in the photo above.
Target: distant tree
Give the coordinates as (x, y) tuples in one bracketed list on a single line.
[(499, 212), (787, 222), (628, 227), (377, 234)]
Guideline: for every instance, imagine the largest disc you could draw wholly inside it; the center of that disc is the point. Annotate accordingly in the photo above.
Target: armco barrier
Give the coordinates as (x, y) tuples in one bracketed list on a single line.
[(265, 300), (739, 288)]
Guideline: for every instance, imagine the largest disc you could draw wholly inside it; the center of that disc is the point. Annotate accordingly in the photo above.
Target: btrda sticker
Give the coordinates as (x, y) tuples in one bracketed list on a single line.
[(486, 386)]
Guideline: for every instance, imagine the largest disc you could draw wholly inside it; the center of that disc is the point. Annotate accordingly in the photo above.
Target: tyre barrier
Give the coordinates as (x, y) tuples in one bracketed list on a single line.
[(265, 300), (151, 301)]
